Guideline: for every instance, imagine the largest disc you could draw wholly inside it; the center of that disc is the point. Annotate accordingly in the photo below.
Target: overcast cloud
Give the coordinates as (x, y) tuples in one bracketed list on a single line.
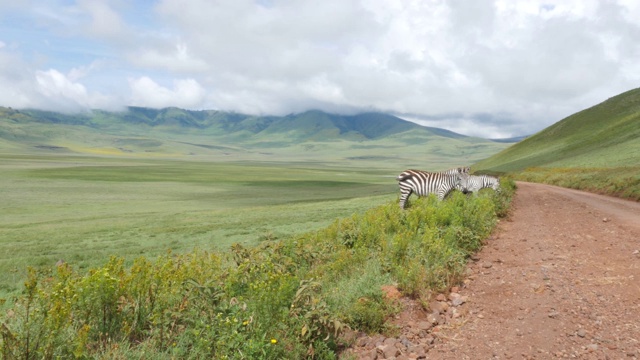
[(485, 68)]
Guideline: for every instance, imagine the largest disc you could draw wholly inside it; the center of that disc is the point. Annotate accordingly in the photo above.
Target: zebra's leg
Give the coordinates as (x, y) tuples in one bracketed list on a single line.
[(443, 191), (404, 195)]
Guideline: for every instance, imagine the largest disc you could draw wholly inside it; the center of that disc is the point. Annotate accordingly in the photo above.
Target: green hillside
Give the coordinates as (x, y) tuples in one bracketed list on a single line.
[(606, 135), (209, 135), (597, 149)]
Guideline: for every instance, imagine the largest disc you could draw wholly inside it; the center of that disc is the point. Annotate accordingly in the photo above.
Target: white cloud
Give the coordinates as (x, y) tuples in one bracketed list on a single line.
[(58, 91), (105, 21), (23, 87), (185, 93), (52, 83), (526, 63), (174, 58), (323, 89), (14, 86)]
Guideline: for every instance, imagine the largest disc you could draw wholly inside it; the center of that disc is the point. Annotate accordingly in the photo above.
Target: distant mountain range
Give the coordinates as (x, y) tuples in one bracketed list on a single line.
[(313, 124), (514, 139), (176, 132)]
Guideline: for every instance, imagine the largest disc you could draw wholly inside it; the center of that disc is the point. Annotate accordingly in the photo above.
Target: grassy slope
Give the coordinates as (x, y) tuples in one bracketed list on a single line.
[(606, 135), (597, 149)]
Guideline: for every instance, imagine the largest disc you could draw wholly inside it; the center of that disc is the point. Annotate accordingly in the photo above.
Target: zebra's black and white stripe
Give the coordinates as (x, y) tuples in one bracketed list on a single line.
[(453, 171), (476, 182), (423, 183)]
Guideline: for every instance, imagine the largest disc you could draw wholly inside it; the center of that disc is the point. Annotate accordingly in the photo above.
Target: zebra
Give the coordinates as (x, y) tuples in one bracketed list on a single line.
[(453, 171), (475, 183), (424, 183)]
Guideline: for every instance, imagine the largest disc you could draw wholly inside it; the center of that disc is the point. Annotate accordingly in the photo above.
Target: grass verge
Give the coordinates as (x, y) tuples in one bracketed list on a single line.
[(623, 182), (283, 299)]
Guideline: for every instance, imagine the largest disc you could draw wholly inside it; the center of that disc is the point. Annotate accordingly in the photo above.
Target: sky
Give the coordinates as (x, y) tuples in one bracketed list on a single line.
[(482, 68)]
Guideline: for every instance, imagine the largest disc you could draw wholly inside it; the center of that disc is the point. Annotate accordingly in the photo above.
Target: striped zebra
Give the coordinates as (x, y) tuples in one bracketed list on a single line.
[(476, 182), (453, 171), (424, 183)]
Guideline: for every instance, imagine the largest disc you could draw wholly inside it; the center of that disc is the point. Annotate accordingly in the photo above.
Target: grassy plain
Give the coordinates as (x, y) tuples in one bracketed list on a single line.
[(281, 299), (85, 209)]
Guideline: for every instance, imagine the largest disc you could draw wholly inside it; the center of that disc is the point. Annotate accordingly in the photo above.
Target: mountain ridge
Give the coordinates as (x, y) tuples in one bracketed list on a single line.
[(311, 135), (369, 125)]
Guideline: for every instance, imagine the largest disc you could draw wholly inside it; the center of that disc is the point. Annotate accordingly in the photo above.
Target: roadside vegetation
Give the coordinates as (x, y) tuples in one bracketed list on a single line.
[(622, 182), (288, 298)]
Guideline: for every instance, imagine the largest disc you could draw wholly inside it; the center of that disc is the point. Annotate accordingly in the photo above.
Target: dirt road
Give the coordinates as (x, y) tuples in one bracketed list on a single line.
[(559, 279)]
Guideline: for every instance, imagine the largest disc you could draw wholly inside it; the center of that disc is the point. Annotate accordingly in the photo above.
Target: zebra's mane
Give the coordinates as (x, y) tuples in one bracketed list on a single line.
[(456, 170)]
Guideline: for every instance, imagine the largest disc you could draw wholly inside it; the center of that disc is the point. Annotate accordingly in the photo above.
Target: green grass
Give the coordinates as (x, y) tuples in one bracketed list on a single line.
[(623, 182), (83, 210)]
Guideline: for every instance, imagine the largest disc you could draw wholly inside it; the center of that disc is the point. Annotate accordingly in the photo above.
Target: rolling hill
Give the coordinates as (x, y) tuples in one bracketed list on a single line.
[(215, 135), (606, 135), (597, 150)]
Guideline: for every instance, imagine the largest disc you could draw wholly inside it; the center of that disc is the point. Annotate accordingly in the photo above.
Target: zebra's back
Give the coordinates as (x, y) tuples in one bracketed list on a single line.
[(458, 170), (423, 183), (477, 182)]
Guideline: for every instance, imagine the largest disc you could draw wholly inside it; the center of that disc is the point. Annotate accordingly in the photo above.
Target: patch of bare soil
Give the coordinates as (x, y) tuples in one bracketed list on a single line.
[(559, 279)]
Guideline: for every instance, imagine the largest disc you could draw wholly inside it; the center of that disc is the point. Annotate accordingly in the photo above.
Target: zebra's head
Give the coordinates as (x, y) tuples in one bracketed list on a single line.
[(462, 181), (496, 184)]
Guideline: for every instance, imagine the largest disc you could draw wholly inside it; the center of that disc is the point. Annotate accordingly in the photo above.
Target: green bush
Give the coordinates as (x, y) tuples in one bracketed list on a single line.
[(288, 298)]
